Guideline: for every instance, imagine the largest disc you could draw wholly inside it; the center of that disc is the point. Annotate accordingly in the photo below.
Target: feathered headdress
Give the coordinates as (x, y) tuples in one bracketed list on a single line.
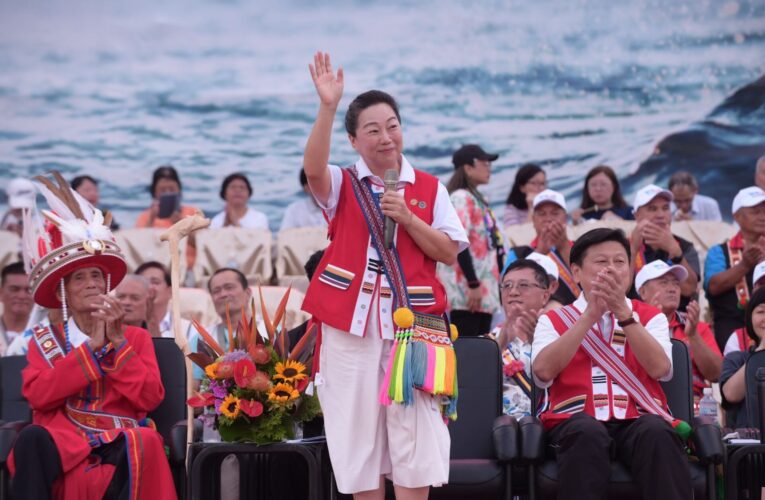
[(71, 235)]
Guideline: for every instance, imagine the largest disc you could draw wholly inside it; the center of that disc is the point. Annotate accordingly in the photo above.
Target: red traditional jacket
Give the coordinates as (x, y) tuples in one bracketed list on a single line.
[(677, 331), (85, 400), (341, 291), (583, 386)]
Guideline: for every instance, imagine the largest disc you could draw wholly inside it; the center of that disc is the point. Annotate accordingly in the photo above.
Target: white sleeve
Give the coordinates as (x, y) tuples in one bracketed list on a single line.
[(217, 221), (731, 345), (658, 327), (544, 335), (445, 219), (336, 180)]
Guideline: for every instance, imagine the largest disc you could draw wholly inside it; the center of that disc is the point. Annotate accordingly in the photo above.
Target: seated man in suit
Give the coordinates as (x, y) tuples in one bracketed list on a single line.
[(600, 359), (92, 380)]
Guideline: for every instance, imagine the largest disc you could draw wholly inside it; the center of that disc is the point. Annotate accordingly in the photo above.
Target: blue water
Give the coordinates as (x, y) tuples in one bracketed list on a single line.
[(115, 89)]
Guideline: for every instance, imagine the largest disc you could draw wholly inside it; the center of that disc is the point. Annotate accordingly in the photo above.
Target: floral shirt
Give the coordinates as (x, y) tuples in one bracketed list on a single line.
[(514, 401), (479, 224)]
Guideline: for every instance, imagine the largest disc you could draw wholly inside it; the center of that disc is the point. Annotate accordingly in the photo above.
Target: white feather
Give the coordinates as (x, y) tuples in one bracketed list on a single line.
[(55, 203)]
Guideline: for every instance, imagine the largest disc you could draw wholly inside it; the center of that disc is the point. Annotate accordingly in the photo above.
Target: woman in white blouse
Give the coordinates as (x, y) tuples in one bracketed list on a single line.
[(236, 192)]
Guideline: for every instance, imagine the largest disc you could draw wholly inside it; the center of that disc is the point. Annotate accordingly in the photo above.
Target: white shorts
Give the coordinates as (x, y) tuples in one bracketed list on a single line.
[(408, 444)]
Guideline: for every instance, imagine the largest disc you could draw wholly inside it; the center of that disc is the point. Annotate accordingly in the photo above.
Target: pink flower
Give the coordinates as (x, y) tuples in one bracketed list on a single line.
[(251, 407), (201, 400), (513, 367)]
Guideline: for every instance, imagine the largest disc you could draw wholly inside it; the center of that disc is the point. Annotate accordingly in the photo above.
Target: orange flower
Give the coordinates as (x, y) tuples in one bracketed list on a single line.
[(211, 371)]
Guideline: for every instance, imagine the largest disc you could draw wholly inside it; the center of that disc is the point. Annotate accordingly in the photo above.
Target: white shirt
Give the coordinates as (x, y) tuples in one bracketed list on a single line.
[(731, 345), (253, 219), (303, 213), (444, 216), (545, 334), (703, 208), (166, 327), (371, 310)]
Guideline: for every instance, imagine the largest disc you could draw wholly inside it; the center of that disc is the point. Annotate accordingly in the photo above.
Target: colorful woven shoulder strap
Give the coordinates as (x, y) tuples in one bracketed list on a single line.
[(391, 265)]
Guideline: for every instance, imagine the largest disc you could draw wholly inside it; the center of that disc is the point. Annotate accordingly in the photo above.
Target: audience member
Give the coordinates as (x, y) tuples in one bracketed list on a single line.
[(733, 377), (659, 285), (165, 181), (729, 266), (17, 303), (228, 288), (236, 191), (688, 203), (552, 277), (588, 415), (525, 292), (159, 315), (133, 295), (20, 345), (602, 198), (549, 219), (87, 187), (21, 194), (310, 267), (472, 283), (530, 180), (739, 340), (303, 212), (652, 239), (759, 173)]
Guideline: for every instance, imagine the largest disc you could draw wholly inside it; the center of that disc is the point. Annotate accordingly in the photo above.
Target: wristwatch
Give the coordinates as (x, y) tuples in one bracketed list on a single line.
[(474, 284), (626, 322)]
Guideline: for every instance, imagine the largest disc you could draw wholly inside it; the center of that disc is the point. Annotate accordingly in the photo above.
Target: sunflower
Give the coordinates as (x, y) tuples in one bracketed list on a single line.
[(283, 393), (230, 407), (210, 370), (290, 371)]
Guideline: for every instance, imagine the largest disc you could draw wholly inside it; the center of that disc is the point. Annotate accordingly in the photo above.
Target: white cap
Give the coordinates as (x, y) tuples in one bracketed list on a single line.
[(748, 197), (546, 262), (648, 193), (550, 196), (759, 272), (657, 269), (21, 193)]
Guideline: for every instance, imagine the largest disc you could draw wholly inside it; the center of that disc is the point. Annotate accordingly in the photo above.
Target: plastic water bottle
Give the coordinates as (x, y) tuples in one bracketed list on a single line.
[(708, 405)]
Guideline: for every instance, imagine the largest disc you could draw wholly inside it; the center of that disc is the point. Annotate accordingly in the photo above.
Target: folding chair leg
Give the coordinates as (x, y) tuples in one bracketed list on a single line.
[(532, 482)]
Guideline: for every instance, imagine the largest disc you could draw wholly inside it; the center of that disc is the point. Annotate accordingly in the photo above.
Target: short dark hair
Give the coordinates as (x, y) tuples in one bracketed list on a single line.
[(13, 268), (757, 298), (232, 177), (239, 275), (312, 263), (364, 101), (303, 178), (153, 264), (77, 181), (539, 272), (683, 179), (516, 198), (164, 172), (616, 198), (596, 237)]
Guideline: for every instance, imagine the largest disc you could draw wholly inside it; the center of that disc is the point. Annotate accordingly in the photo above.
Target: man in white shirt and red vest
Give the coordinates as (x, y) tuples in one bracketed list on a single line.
[(359, 282), (601, 359)]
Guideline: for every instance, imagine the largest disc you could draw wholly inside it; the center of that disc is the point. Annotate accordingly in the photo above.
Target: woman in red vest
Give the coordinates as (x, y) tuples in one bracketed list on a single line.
[(357, 286)]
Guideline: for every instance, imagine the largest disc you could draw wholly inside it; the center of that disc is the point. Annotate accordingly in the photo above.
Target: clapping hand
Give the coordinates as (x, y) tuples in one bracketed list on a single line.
[(108, 323), (328, 86), (692, 318), (754, 254), (608, 294)]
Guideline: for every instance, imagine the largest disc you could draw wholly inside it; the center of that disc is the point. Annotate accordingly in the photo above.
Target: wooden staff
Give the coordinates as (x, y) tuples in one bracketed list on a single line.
[(174, 235)]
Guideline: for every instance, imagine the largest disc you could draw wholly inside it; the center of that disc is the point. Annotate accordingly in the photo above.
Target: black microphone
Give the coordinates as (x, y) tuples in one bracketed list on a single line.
[(391, 182)]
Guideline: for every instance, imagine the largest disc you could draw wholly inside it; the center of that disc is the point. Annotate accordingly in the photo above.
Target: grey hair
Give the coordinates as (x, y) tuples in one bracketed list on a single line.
[(135, 278), (683, 179)]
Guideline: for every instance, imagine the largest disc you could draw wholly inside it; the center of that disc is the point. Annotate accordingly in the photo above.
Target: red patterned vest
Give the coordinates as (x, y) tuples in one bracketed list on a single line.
[(582, 386), (347, 276)]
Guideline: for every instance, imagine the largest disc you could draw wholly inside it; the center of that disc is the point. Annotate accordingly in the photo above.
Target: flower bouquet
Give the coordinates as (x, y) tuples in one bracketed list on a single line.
[(256, 389)]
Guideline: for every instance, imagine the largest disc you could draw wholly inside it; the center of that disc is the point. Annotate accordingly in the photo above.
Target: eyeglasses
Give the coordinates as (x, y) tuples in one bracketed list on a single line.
[(521, 286)]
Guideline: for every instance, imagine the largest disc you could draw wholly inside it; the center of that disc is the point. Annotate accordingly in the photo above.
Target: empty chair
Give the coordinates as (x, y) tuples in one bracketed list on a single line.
[(293, 248), (272, 295), (196, 304), (9, 248), (248, 250), (141, 245)]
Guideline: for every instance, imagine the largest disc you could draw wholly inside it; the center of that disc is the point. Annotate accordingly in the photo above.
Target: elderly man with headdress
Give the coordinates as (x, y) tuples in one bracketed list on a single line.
[(90, 381)]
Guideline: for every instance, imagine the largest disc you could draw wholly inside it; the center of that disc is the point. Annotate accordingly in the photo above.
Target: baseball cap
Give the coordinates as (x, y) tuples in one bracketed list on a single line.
[(21, 193), (468, 153), (546, 262), (648, 193), (550, 196), (759, 272), (748, 197), (656, 269)]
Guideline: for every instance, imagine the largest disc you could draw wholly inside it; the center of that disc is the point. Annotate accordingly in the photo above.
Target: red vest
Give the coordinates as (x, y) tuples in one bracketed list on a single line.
[(744, 341), (572, 390), (345, 271)]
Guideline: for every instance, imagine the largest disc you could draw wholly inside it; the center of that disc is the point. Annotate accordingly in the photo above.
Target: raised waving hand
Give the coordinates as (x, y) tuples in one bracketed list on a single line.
[(328, 85)]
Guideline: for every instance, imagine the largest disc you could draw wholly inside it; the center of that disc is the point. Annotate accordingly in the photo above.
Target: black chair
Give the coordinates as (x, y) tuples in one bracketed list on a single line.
[(172, 408), (483, 440), (706, 440), (744, 470)]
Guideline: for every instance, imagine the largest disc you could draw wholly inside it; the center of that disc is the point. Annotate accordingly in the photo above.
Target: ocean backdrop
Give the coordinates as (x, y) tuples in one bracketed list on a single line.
[(114, 89)]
